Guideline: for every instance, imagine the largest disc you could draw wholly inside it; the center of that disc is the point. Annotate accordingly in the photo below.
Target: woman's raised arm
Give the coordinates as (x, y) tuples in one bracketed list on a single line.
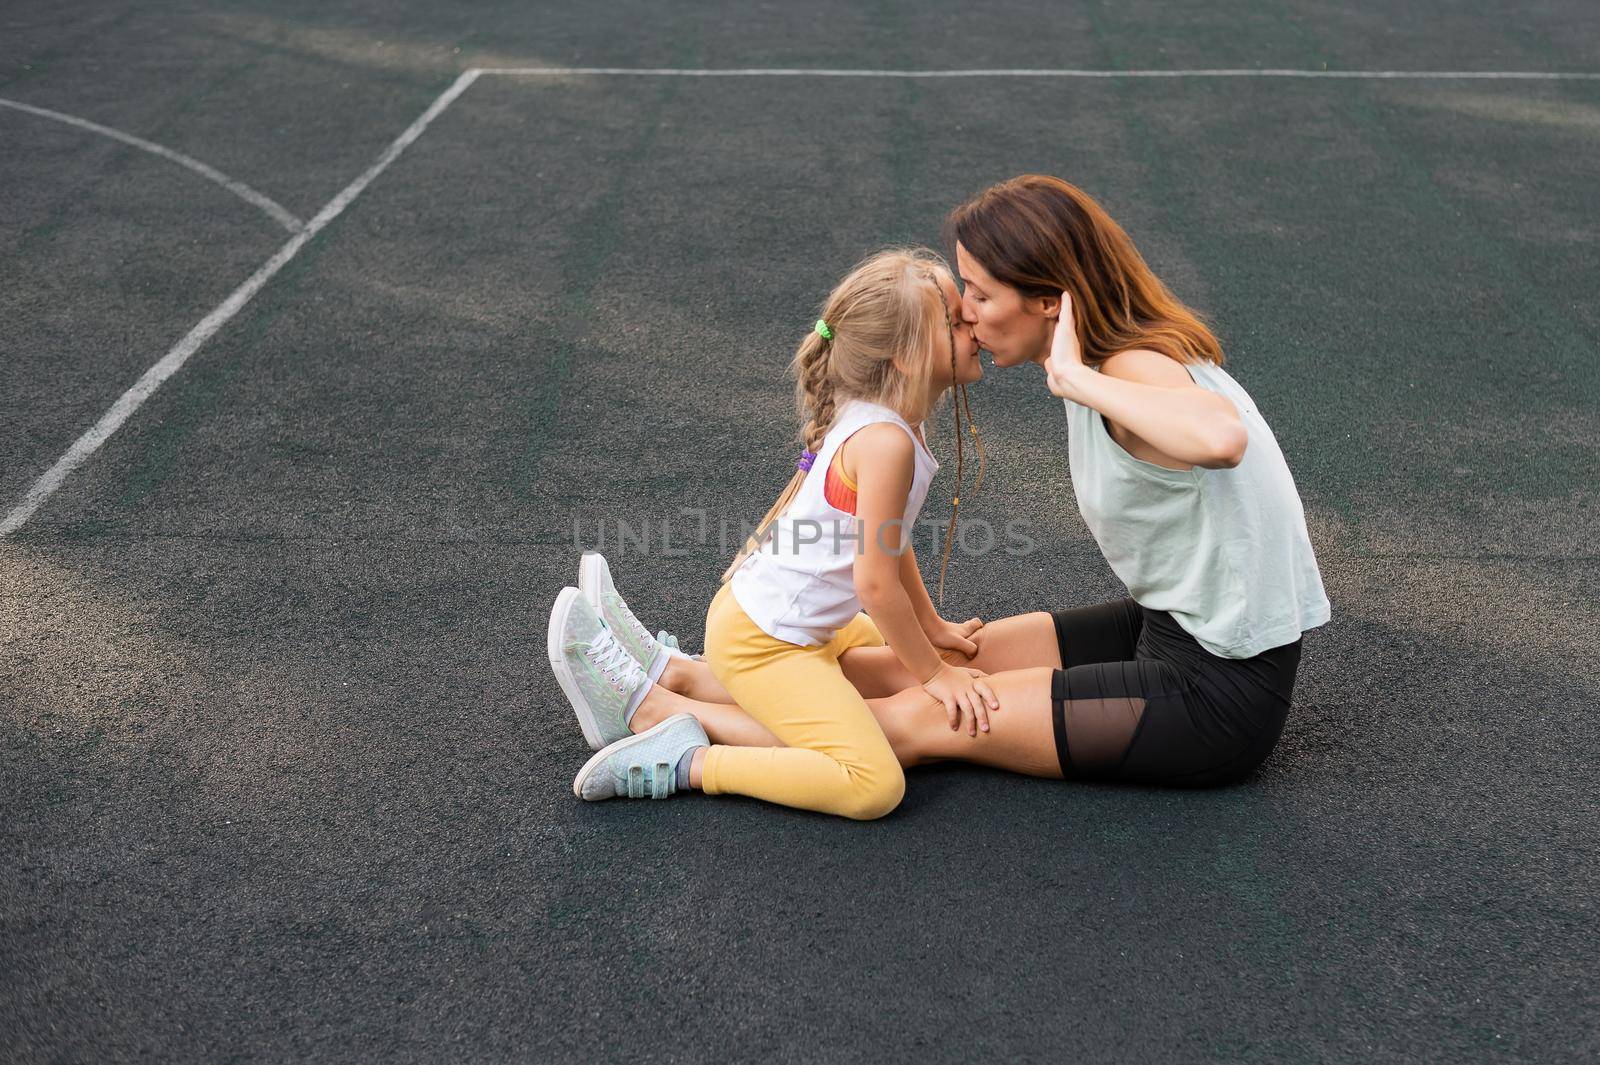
[(1151, 396)]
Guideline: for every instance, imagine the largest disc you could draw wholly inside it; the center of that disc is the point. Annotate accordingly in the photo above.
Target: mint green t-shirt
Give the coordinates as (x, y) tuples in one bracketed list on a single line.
[(1224, 551)]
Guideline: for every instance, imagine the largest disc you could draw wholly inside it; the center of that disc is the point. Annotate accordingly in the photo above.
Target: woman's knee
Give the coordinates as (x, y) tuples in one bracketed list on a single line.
[(909, 718)]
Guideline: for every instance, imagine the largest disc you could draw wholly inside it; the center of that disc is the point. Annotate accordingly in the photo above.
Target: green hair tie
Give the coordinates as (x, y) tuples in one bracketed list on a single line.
[(823, 330)]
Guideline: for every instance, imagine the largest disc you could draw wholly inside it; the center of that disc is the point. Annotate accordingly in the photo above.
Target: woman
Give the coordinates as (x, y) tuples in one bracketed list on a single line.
[(1186, 681)]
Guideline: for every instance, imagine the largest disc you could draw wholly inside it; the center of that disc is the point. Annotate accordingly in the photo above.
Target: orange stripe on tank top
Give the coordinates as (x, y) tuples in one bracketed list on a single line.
[(837, 488)]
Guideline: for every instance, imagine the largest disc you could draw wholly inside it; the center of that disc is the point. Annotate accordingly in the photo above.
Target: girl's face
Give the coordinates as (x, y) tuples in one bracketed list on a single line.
[(1014, 329), (967, 367)]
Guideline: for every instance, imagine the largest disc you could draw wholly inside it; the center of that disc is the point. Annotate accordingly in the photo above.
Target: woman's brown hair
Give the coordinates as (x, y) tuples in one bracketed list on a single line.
[(1043, 236)]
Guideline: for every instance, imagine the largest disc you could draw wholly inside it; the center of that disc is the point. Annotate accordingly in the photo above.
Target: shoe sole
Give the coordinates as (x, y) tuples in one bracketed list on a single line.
[(594, 763), (564, 677)]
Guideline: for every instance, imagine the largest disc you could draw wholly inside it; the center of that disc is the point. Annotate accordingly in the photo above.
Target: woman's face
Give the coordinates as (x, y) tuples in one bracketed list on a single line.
[(967, 367), (1014, 329)]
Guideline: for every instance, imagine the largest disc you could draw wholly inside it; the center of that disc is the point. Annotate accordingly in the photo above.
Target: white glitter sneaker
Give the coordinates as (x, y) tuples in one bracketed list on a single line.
[(600, 679)]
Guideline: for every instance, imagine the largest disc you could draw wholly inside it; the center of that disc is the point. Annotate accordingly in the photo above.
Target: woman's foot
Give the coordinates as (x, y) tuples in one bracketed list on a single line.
[(652, 765), (602, 681)]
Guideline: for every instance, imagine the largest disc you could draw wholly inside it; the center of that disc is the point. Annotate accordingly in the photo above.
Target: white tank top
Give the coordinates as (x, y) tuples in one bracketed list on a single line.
[(799, 586), (1224, 551)]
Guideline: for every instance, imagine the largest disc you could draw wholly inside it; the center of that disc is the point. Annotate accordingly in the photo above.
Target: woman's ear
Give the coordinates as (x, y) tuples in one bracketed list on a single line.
[(1044, 306)]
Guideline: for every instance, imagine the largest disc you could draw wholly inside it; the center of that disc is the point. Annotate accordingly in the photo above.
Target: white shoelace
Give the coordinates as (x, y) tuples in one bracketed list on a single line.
[(640, 633), (612, 659)]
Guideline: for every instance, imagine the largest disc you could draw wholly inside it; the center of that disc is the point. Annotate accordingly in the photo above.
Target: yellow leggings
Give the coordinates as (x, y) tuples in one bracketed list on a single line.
[(837, 761)]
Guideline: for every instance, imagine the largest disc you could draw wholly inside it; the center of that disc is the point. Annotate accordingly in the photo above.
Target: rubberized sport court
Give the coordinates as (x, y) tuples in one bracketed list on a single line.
[(331, 332)]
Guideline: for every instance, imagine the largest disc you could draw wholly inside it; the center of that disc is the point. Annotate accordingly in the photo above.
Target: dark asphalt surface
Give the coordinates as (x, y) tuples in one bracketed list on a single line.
[(284, 772)]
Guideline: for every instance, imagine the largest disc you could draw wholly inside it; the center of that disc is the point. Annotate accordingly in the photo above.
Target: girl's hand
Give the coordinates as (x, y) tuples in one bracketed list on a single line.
[(965, 696), (1066, 354), (950, 636)]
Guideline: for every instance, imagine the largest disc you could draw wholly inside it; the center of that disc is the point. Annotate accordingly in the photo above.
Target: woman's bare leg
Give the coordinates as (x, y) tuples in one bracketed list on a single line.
[(1021, 735), (1020, 642), (1018, 653)]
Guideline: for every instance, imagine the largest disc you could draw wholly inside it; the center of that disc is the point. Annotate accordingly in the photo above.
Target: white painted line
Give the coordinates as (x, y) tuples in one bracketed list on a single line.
[(152, 379), (173, 361), (802, 72), (238, 188)]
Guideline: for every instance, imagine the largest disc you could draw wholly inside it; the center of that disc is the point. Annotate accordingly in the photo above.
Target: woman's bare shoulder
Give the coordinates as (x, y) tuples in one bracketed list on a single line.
[(1148, 367)]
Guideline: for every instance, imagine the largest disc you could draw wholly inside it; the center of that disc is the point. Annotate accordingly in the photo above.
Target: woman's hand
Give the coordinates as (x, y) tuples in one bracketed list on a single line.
[(951, 636), (965, 696), (1065, 364)]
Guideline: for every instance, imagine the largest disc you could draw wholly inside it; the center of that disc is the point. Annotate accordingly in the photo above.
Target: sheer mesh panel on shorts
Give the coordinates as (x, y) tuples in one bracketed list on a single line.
[(1097, 709), (1099, 731)]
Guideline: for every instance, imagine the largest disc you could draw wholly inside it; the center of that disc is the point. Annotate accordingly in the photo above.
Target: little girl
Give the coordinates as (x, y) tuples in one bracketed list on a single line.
[(837, 541)]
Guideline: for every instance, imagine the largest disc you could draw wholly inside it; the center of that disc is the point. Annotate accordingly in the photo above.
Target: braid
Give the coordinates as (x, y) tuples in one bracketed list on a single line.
[(961, 400), (814, 392), (813, 395), (977, 441)]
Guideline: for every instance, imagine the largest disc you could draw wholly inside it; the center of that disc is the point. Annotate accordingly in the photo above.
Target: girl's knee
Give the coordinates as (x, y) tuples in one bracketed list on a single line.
[(877, 783), (876, 793)]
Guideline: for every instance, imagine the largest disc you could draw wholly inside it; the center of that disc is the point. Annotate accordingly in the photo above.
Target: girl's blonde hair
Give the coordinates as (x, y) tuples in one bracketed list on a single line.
[(890, 308)]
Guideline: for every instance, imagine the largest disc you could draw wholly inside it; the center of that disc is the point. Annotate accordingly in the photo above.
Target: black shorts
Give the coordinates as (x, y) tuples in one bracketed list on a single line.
[(1138, 699)]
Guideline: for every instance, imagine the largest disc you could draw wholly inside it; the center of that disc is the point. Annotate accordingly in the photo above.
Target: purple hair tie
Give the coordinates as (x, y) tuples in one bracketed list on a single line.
[(806, 460)]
